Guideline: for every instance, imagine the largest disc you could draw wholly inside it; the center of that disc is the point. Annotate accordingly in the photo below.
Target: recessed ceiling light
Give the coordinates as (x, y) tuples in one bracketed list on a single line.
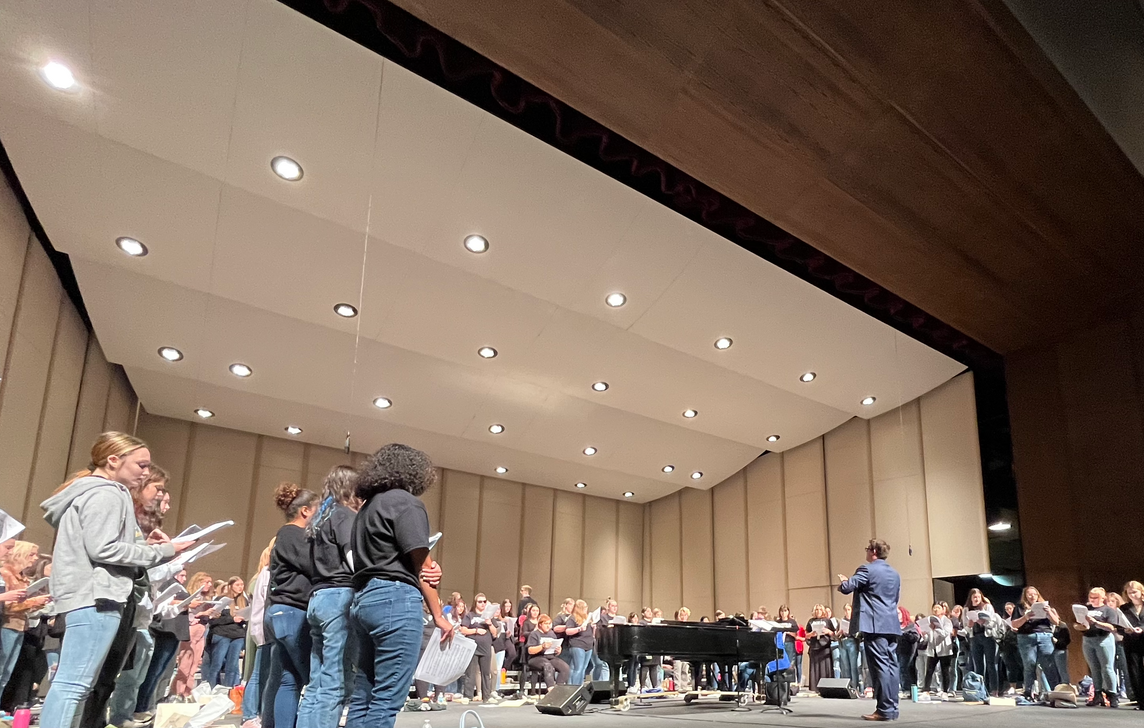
[(723, 343), (600, 386), (345, 310), (206, 414), (668, 468), (487, 352), (615, 300), (869, 401), (1002, 526), (58, 76), (808, 377), (292, 430), (502, 470), (690, 413), (696, 475), (170, 353), (476, 243), (581, 485), (132, 247), (496, 429), (773, 438), (628, 494), (286, 168), (589, 451), (240, 370), (382, 403)]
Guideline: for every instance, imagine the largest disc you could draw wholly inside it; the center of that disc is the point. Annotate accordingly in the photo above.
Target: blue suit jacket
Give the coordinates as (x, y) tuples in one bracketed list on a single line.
[(876, 587)]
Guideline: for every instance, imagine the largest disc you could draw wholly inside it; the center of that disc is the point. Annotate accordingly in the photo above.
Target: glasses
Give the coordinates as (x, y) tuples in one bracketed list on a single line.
[(482, 601)]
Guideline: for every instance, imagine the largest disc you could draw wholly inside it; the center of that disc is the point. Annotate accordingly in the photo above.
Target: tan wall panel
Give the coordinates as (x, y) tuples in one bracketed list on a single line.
[(766, 532), (54, 445), (729, 505), (498, 561), (319, 461), (567, 548), (25, 379), (849, 494), (217, 487), (666, 568), (802, 601), (804, 484), (698, 561), (431, 498), (900, 512), (92, 405), (168, 440), (629, 557), (457, 553), (917, 595), (954, 490), (15, 237), (536, 541), (278, 461), (646, 593), (601, 517), (119, 414)]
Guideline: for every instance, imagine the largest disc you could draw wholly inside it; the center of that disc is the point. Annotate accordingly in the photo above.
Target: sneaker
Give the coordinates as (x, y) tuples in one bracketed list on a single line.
[(1113, 700), (1095, 701), (255, 722)]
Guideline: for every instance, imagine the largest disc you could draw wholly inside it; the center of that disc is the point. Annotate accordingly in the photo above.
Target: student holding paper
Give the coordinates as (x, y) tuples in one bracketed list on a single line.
[(226, 636), (540, 660), (483, 630), (1133, 614), (985, 630), (819, 631), (939, 650), (1034, 621), (18, 560), (581, 639), (1099, 627), (393, 575)]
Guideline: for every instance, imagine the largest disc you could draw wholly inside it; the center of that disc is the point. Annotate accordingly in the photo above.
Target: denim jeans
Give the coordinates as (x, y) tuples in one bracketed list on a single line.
[(848, 649), (600, 669), (252, 695), (10, 642), (747, 672), (835, 659), (222, 657), (87, 639), (1061, 657), (126, 693), (1037, 649), (983, 660), (288, 634), (166, 646), (331, 666), (578, 661), (1100, 654), (386, 617)]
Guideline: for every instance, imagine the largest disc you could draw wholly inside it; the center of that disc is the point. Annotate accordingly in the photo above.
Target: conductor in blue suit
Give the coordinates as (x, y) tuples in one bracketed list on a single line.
[(876, 587)]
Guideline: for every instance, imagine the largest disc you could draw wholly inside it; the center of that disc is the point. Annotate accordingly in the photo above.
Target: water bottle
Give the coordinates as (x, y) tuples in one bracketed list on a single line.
[(426, 724), (22, 718), (914, 693)]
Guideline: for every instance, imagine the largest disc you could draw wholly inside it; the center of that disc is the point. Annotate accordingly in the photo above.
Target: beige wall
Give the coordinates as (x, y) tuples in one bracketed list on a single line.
[(779, 530), (57, 392)]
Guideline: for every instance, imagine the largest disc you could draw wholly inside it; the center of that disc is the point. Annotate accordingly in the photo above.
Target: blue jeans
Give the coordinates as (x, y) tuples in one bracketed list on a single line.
[(252, 695), (1061, 657), (162, 657), (288, 634), (983, 660), (578, 659), (126, 693), (600, 669), (11, 640), (1037, 649), (1100, 654), (835, 659), (848, 657), (387, 620), (331, 665), (87, 639), (222, 656), (747, 672)]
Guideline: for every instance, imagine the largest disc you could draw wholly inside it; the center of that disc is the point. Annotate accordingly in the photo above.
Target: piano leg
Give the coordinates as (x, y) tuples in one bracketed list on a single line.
[(618, 693)]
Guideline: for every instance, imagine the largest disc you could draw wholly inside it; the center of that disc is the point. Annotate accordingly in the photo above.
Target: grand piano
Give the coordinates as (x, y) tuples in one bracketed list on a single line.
[(694, 642)]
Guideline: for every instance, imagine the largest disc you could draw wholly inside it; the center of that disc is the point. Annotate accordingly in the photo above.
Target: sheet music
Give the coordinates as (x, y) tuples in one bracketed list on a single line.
[(594, 616), (1080, 613), (167, 595), (1039, 610), (193, 528), (550, 645), (202, 532), (441, 664), (618, 620), (244, 613), (844, 626), (490, 610), (37, 586), (765, 625), (434, 539)]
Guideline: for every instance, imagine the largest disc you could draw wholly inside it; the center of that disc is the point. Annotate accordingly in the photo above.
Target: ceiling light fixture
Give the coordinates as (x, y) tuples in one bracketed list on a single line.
[(589, 451), (600, 386), (1000, 526), (808, 377), (170, 353), (240, 370), (476, 243), (206, 414), (773, 438), (58, 76), (581, 485), (292, 430), (723, 343), (628, 494), (502, 470), (867, 401), (496, 429), (668, 468), (286, 168), (690, 413), (487, 352), (345, 310), (132, 247), (696, 475), (615, 300), (382, 403)]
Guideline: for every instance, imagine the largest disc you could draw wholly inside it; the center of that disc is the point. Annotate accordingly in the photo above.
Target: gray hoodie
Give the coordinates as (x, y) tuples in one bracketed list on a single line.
[(99, 548)]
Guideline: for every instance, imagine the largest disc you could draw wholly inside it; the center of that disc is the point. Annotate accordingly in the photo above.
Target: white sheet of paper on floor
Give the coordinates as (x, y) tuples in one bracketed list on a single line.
[(441, 664)]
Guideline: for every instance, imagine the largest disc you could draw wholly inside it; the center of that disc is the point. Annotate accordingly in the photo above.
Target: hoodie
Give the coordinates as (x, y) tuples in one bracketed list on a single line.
[(99, 549)]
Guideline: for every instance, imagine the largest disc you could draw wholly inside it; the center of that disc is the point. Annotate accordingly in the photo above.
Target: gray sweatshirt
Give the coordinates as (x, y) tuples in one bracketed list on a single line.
[(99, 548)]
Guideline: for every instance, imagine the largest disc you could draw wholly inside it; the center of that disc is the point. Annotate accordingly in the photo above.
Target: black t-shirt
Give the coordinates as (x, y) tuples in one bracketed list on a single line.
[(534, 638), (473, 620), (290, 568), (584, 640), (328, 548), (560, 623), (1031, 626), (389, 526), (1107, 614)]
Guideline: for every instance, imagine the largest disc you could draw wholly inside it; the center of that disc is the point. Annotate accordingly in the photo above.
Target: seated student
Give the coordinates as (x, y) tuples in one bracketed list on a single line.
[(554, 670)]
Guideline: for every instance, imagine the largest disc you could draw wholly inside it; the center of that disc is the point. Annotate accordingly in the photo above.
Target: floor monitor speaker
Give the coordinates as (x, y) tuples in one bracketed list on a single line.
[(836, 687), (601, 691), (565, 700)]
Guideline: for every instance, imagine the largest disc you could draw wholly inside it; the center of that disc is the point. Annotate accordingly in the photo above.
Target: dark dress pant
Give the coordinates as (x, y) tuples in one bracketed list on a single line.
[(881, 651)]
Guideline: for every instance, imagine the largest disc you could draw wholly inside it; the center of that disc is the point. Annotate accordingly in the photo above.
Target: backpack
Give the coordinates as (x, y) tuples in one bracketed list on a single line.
[(1084, 688), (973, 688)]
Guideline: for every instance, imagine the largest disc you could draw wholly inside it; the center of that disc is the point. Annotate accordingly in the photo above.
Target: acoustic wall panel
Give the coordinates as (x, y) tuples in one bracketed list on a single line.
[(731, 552), (278, 461), (849, 497), (666, 543), (217, 488), (629, 557), (536, 542), (120, 413), (499, 545), (697, 559), (567, 547), (804, 484), (168, 440), (802, 601), (15, 237), (601, 546), (431, 498), (457, 553), (92, 406), (766, 532), (319, 462)]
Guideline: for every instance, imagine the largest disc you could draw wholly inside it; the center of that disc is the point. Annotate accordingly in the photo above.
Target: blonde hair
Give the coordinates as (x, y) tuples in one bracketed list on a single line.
[(107, 445), (1100, 590), (1025, 592), (197, 580), (264, 559), (1130, 585), (580, 612), (21, 551)]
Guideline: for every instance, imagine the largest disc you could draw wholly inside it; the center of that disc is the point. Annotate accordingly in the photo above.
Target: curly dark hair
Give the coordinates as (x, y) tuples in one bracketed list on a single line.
[(395, 466)]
